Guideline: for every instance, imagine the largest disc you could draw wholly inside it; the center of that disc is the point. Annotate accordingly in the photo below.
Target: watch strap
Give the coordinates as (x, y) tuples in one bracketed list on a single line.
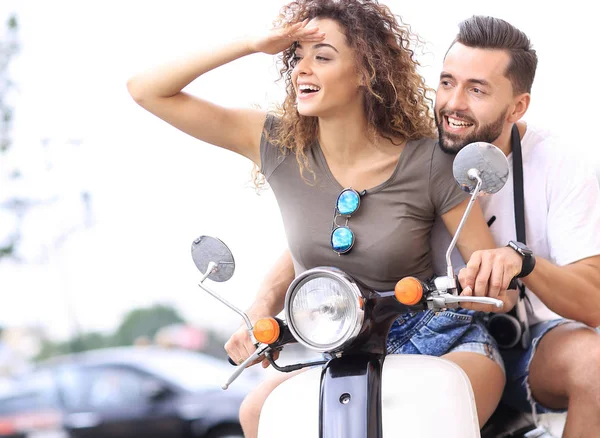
[(528, 258)]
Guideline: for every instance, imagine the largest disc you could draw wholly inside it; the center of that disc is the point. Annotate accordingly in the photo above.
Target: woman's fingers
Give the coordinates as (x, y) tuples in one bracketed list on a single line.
[(248, 348), (299, 32), (239, 347), (279, 39), (266, 363)]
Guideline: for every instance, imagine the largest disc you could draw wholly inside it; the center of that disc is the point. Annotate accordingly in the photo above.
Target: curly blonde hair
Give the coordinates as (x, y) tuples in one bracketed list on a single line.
[(397, 101)]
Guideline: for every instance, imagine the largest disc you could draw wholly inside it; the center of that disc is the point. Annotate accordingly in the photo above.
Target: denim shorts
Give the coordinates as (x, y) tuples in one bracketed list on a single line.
[(517, 393), (447, 332)]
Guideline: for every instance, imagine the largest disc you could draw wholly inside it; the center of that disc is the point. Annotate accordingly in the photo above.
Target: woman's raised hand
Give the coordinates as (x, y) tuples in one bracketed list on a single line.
[(281, 38)]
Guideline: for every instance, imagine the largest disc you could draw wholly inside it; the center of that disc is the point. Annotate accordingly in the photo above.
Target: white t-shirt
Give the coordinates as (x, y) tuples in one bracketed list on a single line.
[(562, 210)]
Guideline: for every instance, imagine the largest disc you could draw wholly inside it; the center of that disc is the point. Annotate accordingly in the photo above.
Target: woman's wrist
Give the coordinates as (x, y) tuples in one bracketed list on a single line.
[(260, 310)]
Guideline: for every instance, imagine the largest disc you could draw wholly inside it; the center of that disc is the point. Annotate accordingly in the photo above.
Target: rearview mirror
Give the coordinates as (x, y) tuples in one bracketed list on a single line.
[(479, 169), (206, 249), (485, 159)]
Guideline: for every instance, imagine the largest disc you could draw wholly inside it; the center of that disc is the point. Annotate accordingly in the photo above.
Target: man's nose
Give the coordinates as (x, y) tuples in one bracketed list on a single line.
[(457, 100)]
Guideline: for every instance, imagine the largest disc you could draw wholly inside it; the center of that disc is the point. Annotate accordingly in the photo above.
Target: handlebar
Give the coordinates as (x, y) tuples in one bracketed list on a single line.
[(283, 337), (439, 294), (241, 367)]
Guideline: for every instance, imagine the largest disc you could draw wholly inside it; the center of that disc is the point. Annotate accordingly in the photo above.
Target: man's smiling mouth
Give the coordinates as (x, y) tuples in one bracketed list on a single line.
[(457, 123)]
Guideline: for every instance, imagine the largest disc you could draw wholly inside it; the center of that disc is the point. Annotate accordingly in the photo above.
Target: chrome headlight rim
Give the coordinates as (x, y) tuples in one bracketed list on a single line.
[(350, 286)]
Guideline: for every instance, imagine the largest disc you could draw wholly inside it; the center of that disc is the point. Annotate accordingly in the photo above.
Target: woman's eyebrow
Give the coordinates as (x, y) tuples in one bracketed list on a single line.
[(318, 46)]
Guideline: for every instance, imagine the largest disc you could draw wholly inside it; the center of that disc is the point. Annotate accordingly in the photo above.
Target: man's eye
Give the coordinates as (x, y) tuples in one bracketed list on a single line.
[(477, 91), (445, 83)]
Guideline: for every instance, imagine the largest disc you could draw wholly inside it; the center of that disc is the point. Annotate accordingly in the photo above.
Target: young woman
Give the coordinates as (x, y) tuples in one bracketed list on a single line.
[(353, 163)]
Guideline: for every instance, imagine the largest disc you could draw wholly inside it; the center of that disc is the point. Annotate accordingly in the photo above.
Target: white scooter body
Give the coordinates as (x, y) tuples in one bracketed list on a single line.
[(422, 396)]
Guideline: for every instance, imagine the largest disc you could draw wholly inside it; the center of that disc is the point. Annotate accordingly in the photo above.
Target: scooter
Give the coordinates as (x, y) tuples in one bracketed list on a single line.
[(358, 391)]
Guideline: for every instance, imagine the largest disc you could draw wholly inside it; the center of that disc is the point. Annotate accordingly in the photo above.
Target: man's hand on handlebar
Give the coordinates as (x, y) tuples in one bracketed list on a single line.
[(488, 274)]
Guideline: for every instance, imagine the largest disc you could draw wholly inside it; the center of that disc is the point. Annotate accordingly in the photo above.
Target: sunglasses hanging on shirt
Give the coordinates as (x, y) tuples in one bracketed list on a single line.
[(342, 238)]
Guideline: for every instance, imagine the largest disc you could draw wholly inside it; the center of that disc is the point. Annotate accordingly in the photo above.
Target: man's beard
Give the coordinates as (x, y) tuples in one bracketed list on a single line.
[(451, 143)]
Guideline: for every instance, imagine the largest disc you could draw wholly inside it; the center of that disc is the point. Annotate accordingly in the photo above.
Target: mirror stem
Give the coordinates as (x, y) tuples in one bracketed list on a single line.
[(473, 175), (211, 267)]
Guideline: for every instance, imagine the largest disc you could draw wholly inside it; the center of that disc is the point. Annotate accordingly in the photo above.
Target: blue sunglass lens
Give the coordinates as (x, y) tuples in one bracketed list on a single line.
[(348, 202), (342, 240)]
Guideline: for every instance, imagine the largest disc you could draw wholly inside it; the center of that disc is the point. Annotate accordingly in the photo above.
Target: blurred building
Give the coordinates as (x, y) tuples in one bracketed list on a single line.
[(182, 336), (18, 347)]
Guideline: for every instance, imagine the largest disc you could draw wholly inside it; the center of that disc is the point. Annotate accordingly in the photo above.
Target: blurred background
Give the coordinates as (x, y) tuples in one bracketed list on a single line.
[(100, 201)]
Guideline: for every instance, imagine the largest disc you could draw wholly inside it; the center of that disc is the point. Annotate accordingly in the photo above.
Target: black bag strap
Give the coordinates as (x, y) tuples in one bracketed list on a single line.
[(519, 197)]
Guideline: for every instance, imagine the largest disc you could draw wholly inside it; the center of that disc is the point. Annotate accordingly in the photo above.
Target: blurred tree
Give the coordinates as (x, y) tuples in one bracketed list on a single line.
[(138, 327), (83, 342), (9, 47), (145, 322)]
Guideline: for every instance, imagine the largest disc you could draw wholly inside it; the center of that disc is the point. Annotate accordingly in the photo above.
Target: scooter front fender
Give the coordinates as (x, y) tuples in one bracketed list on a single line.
[(422, 396)]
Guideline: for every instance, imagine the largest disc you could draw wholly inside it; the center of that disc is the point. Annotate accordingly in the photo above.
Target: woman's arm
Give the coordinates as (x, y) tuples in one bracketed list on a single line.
[(239, 130), (484, 275), (475, 234), (269, 302), (159, 92)]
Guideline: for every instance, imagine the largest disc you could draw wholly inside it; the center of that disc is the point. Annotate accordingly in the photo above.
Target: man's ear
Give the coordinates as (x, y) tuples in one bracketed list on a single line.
[(521, 104)]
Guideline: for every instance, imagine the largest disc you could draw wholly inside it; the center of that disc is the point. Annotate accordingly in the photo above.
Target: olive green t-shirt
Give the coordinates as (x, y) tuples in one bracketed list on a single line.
[(392, 225)]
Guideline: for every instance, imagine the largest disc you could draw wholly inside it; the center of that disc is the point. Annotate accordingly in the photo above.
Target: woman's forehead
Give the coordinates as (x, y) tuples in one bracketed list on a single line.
[(334, 33)]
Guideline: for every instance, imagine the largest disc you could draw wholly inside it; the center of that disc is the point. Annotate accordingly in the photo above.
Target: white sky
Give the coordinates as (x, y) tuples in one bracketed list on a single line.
[(155, 189)]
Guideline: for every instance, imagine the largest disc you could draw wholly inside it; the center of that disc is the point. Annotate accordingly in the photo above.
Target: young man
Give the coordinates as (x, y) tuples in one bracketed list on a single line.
[(484, 90)]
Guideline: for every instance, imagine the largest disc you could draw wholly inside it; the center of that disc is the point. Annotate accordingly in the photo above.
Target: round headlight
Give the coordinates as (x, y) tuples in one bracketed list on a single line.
[(323, 309)]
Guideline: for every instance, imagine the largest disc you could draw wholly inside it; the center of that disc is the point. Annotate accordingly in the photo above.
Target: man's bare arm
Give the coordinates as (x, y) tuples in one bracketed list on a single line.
[(572, 291)]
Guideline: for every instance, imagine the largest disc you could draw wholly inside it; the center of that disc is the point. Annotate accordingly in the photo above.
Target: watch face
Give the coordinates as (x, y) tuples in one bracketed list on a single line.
[(521, 248)]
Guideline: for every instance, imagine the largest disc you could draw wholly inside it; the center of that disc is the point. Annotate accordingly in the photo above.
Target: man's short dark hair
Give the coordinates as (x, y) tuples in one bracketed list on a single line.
[(493, 33)]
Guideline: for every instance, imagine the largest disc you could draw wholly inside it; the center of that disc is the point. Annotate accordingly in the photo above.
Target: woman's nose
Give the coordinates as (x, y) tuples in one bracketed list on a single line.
[(303, 67)]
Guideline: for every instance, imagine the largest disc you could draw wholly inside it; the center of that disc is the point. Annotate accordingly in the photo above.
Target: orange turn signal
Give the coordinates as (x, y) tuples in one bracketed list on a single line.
[(266, 330), (409, 291)]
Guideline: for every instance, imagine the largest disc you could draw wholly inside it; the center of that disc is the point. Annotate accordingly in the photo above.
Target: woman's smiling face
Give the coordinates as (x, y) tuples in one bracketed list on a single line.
[(325, 76)]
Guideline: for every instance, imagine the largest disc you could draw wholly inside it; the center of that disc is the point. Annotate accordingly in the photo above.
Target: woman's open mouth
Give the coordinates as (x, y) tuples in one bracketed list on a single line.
[(307, 90)]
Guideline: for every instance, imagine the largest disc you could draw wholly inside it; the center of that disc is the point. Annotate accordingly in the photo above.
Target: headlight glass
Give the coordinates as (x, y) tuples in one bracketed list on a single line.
[(323, 309)]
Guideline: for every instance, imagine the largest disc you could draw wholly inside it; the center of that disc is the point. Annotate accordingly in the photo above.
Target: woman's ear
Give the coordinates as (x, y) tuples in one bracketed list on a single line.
[(361, 79)]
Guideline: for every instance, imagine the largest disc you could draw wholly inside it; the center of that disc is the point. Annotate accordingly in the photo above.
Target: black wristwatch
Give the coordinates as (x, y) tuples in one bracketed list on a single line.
[(528, 258)]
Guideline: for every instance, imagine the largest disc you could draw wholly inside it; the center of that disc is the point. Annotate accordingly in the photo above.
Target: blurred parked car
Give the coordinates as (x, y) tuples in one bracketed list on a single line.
[(123, 393)]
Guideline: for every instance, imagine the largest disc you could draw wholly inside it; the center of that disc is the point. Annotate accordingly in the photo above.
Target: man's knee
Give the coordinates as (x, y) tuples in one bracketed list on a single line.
[(570, 353), (583, 369)]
